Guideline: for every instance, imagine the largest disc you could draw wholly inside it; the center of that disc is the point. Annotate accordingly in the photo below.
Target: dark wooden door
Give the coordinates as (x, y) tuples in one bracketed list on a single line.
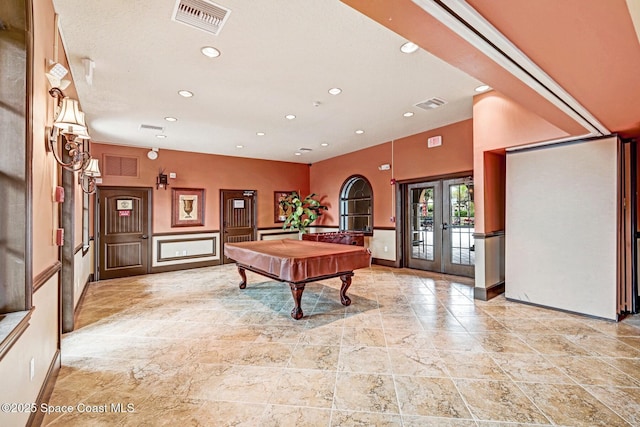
[(238, 217), (124, 224)]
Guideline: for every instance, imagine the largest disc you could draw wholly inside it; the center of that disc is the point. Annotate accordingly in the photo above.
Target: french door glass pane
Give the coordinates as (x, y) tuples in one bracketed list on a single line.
[(422, 203), (461, 225)]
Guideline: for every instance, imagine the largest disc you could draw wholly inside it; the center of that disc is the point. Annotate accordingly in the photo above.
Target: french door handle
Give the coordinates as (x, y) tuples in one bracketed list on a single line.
[(144, 236), (445, 226)]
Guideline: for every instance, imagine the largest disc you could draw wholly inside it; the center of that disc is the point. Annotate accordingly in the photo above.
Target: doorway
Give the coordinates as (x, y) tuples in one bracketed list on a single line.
[(124, 227), (439, 226), (238, 217)]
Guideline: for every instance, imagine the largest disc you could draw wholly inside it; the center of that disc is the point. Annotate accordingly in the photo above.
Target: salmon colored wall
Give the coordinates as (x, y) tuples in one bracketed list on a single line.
[(44, 167), (411, 158), (498, 123), (211, 172), (495, 171)]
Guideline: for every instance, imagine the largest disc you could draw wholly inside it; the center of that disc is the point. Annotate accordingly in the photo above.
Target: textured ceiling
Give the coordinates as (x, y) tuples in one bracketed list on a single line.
[(278, 57)]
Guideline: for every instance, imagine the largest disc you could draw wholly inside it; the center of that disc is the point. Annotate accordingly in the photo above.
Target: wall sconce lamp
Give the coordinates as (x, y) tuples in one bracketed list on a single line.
[(88, 177), (469, 183), (69, 123), (162, 181)]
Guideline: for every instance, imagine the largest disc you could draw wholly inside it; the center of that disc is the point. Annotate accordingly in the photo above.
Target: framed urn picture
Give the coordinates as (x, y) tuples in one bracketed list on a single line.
[(281, 212), (187, 207)]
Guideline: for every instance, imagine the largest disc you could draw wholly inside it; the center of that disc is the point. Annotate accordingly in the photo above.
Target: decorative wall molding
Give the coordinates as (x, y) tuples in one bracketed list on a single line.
[(44, 276)]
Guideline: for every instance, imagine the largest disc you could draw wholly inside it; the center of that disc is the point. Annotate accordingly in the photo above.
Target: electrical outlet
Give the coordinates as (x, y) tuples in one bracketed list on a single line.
[(184, 253), (386, 249), (32, 368), (177, 253)]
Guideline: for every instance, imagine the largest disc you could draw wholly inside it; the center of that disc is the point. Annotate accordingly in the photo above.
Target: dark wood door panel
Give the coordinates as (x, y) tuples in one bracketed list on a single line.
[(238, 217), (124, 230)]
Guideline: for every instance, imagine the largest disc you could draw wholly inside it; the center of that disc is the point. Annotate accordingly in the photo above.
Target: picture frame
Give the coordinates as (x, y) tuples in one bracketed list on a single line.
[(280, 215), (187, 207)]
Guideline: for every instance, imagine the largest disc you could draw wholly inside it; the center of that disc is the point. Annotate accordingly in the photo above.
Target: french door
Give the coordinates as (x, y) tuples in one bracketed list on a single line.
[(439, 226)]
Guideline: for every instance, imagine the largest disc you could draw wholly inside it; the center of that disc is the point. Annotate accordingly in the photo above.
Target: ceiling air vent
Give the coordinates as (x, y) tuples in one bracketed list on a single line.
[(430, 104), (201, 14), (152, 127)]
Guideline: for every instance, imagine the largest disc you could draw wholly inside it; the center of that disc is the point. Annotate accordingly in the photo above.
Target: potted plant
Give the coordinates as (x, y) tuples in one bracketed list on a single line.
[(302, 212)]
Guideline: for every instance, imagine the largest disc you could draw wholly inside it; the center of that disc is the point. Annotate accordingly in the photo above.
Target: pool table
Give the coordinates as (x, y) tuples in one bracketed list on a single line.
[(298, 262)]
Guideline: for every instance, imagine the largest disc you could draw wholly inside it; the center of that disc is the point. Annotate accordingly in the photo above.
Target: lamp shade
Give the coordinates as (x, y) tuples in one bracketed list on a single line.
[(70, 119), (92, 168), (82, 134)]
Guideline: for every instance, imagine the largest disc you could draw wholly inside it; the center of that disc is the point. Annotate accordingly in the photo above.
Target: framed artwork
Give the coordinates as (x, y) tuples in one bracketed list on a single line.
[(187, 207), (280, 214)]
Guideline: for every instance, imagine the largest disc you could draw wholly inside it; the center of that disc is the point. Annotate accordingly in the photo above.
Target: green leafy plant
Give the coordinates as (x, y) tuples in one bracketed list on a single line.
[(302, 212)]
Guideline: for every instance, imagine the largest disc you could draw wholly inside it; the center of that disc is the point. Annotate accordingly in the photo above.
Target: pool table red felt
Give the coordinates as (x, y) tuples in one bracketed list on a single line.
[(299, 262)]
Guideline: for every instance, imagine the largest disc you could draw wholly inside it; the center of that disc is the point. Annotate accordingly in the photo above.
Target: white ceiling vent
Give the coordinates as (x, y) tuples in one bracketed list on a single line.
[(201, 14), (430, 104), (152, 127)]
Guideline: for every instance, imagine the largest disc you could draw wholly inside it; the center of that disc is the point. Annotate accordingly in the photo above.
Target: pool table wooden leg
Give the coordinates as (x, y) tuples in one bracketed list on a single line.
[(346, 282), (243, 275), (296, 291)]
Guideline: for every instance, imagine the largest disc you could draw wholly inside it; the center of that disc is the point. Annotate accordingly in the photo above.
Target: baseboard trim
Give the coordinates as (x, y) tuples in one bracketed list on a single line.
[(36, 417), (384, 262), (185, 266), (76, 309), (485, 294)]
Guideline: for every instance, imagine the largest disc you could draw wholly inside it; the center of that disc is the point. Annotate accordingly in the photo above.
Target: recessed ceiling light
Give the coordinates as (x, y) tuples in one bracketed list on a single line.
[(409, 47), (482, 88), (239, 146), (298, 154), (171, 119), (408, 114), (335, 91), (324, 144), (186, 93), (210, 52), (260, 133), (359, 131), (161, 136), (290, 116)]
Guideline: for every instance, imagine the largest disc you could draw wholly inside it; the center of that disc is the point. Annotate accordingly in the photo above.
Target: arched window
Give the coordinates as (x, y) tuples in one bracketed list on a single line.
[(356, 205)]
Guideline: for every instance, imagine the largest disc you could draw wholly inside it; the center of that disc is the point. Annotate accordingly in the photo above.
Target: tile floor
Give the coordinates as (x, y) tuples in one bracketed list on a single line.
[(189, 348)]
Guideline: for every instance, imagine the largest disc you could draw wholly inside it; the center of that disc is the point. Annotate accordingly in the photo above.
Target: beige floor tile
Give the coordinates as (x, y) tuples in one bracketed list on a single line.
[(455, 341), (604, 345), (365, 392), (416, 421), (437, 397), (571, 405), (302, 387), (221, 413), (190, 348), (315, 357), (556, 345), (357, 419), (480, 366), (592, 371), (235, 383), (498, 342), (630, 367), (530, 368), (419, 362), (294, 416), (624, 401), (499, 401), (407, 338), (364, 359), (369, 337)]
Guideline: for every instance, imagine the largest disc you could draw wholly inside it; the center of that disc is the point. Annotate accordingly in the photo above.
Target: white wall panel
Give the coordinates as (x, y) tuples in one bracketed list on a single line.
[(561, 227)]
